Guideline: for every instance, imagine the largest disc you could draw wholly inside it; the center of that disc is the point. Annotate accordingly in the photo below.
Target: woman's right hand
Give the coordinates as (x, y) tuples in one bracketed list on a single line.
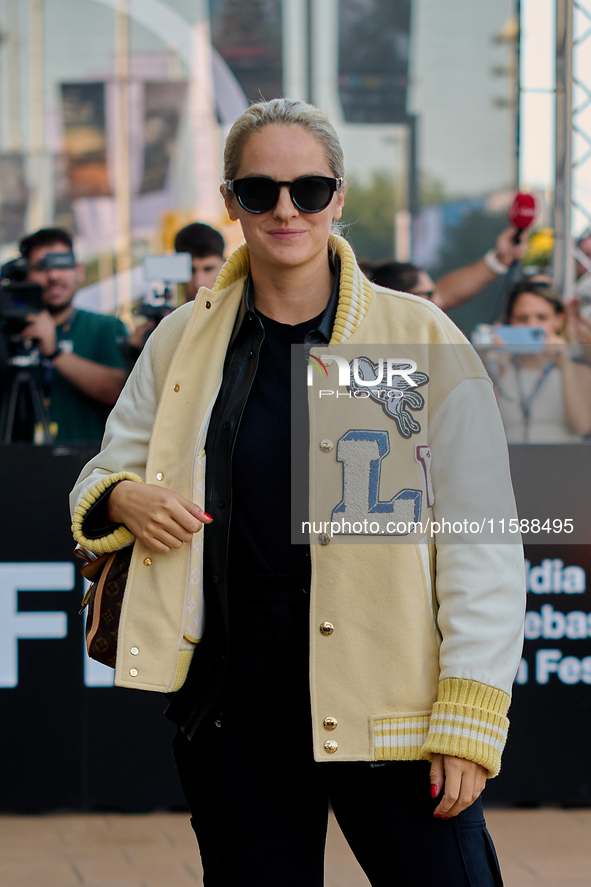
[(157, 517)]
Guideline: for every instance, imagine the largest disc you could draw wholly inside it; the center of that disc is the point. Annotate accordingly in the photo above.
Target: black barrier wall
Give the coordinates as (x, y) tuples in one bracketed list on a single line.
[(69, 740)]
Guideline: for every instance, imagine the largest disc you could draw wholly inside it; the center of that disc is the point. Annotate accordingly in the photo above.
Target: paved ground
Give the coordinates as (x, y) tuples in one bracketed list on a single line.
[(546, 847)]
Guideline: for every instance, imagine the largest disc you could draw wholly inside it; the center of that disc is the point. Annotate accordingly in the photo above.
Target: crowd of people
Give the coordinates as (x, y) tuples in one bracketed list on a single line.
[(543, 390), (86, 356)]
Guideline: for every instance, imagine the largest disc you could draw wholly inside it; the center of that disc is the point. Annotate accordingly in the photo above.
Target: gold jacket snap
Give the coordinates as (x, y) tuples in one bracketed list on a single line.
[(331, 746), (326, 628)]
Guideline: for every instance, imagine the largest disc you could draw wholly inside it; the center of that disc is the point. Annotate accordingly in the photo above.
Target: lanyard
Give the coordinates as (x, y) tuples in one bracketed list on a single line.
[(526, 402)]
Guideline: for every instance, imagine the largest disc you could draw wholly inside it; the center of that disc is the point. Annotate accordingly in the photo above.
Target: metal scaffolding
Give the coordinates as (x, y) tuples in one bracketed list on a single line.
[(573, 138)]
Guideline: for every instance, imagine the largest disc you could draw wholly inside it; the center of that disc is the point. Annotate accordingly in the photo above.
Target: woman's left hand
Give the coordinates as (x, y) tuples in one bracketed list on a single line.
[(462, 783)]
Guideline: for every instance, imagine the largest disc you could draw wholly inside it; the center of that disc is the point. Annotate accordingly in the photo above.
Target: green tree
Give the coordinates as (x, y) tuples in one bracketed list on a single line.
[(474, 234), (370, 209), (368, 217), (464, 244)]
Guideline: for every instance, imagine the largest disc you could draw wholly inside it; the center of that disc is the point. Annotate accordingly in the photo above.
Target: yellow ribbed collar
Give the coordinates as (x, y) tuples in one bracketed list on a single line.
[(354, 288)]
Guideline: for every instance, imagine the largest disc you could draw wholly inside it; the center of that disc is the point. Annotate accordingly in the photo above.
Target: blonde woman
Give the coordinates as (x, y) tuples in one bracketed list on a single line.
[(374, 678)]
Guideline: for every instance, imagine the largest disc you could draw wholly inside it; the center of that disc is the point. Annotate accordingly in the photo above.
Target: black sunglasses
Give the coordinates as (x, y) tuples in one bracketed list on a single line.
[(259, 194)]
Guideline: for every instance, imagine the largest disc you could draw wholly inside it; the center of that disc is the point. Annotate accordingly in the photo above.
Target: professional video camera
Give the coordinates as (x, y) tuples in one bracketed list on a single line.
[(18, 298), (23, 409)]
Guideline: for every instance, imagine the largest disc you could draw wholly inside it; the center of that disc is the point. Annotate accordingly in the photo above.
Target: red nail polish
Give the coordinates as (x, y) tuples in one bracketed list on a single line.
[(434, 791), (445, 817), (437, 815), (205, 514)]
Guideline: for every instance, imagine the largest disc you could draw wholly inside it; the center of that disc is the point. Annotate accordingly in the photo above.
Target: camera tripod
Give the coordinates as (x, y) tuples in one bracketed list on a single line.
[(25, 369)]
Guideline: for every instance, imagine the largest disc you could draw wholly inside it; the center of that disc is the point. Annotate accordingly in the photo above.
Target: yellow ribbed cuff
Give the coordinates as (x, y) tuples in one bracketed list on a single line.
[(120, 537), (469, 721)]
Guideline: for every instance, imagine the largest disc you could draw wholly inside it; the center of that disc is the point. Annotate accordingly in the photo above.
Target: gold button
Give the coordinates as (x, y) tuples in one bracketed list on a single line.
[(326, 445), (326, 628), (133, 672), (147, 562), (331, 746), (159, 476), (324, 538), (208, 304), (134, 651), (177, 388), (330, 723)]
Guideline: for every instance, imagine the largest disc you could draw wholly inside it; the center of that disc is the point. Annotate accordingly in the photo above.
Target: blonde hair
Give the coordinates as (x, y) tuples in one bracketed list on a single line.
[(282, 112)]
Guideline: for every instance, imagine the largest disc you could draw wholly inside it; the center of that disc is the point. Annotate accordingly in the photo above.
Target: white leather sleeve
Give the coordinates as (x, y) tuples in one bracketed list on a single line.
[(127, 432), (480, 585)]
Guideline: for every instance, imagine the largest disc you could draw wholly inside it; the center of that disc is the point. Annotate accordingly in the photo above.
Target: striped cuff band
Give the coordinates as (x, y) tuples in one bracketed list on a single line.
[(468, 721)]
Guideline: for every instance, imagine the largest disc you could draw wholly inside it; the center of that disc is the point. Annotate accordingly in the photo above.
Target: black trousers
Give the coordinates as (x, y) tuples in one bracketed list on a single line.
[(259, 802)]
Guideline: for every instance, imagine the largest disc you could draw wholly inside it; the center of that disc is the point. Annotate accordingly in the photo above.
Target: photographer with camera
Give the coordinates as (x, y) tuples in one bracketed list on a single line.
[(205, 246), (81, 349)]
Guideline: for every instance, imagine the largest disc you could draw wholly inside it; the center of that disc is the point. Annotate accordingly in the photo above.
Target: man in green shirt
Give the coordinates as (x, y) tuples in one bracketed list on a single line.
[(83, 348)]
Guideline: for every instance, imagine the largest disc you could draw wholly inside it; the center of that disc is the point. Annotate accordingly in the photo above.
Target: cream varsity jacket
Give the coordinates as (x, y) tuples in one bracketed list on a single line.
[(414, 638)]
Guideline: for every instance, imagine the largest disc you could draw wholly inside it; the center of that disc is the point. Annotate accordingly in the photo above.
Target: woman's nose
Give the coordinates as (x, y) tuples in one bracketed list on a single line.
[(285, 206)]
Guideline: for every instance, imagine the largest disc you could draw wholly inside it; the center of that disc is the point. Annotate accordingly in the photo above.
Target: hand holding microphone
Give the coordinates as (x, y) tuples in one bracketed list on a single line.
[(511, 246), (522, 214)]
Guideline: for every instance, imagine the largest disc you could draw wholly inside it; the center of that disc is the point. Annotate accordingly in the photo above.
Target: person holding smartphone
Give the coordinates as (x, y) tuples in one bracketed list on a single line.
[(543, 394)]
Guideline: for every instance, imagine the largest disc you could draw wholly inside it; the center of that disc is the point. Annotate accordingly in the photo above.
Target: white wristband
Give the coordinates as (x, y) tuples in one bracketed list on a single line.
[(495, 265)]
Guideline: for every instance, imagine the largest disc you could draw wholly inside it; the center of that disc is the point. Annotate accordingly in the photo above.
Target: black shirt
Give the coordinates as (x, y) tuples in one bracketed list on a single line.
[(264, 566)]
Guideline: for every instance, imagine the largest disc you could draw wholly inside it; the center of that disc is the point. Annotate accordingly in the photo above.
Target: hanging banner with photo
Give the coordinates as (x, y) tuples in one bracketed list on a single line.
[(85, 139), (163, 107), (374, 48), (13, 197)]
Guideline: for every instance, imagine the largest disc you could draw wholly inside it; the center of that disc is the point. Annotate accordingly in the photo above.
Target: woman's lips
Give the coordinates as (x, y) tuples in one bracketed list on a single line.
[(285, 233)]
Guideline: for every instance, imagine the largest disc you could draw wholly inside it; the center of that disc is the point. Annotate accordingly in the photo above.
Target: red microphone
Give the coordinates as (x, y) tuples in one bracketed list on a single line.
[(522, 213)]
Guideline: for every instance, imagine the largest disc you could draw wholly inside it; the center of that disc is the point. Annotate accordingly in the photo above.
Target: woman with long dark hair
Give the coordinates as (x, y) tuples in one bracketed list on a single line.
[(371, 677)]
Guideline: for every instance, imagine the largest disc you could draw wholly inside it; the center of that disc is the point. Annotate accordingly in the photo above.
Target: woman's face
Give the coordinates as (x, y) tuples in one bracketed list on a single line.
[(530, 310), (284, 236)]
